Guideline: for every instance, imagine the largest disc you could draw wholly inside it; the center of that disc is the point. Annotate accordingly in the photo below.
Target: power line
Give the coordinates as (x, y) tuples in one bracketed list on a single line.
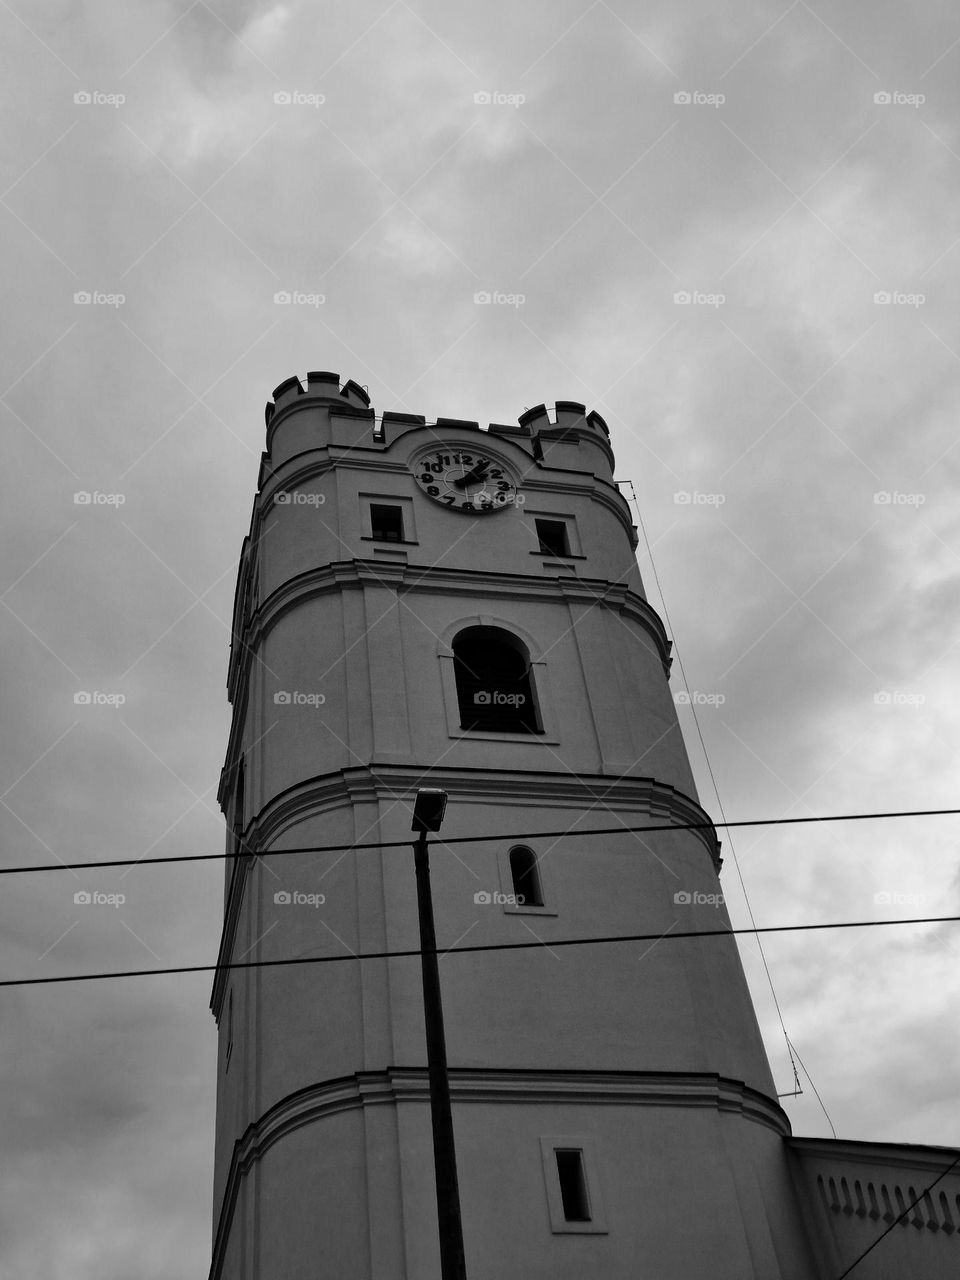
[(509, 835), (477, 947)]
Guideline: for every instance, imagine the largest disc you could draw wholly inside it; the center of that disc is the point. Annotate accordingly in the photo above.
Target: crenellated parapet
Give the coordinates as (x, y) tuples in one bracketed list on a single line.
[(320, 386), (325, 412), (573, 440)]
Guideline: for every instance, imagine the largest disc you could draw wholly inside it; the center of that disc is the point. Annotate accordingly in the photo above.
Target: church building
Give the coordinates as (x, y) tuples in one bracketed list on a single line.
[(448, 606)]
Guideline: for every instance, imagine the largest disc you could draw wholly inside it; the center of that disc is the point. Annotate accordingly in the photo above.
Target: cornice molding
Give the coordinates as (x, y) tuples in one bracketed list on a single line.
[(369, 783), (345, 575), (395, 1085), (898, 1155)]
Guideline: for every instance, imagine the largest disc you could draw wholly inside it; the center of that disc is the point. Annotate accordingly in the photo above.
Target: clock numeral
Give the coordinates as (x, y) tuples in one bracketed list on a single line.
[(433, 490), (496, 475), (467, 506), (426, 478), (449, 499), (502, 486)]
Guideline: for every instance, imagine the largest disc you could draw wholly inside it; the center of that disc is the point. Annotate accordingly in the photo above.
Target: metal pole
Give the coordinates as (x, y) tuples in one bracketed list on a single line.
[(452, 1264)]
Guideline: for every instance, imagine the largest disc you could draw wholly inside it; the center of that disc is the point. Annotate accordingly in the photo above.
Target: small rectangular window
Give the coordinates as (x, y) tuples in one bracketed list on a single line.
[(553, 538), (573, 1186), (386, 523)]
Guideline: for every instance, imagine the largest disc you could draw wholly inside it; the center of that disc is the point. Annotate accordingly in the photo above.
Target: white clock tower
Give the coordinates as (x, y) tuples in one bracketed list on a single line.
[(439, 605)]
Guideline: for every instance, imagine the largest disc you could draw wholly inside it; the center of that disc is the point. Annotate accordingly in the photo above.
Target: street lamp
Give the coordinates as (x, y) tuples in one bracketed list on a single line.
[(428, 816)]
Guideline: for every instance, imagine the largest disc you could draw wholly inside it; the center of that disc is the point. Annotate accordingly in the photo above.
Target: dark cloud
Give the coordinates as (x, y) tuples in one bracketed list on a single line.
[(795, 589)]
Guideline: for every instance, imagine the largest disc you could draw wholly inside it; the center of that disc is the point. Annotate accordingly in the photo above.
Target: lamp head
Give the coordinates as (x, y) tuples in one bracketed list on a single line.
[(428, 809)]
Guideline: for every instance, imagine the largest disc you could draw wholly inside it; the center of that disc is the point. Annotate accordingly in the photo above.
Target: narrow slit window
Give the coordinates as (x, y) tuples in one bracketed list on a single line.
[(573, 1186), (553, 538), (525, 875), (386, 522)]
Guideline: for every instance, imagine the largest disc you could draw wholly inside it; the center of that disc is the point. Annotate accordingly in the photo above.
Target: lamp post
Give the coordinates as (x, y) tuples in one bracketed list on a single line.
[(427, 816)]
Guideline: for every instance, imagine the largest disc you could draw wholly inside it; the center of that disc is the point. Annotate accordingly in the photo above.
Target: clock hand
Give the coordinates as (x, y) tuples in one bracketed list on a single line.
[(478, 473)]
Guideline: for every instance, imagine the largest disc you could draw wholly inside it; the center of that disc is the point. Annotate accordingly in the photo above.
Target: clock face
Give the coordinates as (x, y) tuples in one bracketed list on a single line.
[(465, 479)]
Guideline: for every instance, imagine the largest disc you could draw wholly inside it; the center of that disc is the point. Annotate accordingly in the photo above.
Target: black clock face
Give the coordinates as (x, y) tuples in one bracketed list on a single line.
[(465, 479)]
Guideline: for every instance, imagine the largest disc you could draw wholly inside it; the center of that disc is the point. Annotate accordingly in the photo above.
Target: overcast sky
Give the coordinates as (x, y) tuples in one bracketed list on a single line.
[(811, 577)]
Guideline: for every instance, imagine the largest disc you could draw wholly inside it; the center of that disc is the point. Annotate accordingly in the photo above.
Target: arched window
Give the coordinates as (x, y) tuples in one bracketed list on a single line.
[(494, 689), (526, 877)]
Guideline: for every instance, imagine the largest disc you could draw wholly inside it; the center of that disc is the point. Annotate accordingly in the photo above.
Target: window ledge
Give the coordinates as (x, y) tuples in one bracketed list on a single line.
[(551, 555), (390, 542), (484, 735), (529, 911)]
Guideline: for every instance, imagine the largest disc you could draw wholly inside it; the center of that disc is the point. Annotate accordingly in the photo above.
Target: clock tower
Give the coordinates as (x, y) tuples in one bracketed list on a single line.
[(436, 604)]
